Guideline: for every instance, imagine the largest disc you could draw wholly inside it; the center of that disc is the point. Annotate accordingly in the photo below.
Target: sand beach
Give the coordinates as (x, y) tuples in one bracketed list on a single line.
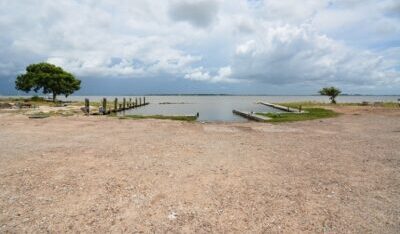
[(104, 174)]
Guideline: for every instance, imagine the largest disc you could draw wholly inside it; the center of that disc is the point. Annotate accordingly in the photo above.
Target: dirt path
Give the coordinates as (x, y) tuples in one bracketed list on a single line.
[(96, 174)]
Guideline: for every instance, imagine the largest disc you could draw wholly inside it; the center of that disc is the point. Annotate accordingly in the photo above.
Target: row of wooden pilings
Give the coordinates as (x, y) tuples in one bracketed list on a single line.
[(125, 105)]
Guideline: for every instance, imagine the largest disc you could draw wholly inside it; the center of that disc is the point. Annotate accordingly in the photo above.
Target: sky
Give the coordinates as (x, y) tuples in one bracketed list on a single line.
[(206, 46)]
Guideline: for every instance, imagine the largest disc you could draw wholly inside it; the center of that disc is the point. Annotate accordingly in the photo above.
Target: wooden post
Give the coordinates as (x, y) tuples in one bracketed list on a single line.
[(140, 101), (300, 108), (130, 103), (104, 106), (124, 104), (115, 104), (87, 106), (136, 104)]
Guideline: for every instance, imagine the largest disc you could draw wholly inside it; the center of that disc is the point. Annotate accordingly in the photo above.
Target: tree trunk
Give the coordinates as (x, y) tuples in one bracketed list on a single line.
[(54, 97)]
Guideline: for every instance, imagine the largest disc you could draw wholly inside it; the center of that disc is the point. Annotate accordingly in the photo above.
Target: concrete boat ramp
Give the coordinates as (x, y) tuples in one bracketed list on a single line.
[(260, 118), (251, 115), (283, 108)]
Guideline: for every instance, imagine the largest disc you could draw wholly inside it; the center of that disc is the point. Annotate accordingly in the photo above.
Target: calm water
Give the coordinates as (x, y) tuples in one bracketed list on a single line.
[(210, 108), (219, 108)]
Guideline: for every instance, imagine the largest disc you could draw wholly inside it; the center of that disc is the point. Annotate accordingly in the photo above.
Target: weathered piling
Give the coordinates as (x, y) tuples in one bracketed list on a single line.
[(104, 106), (115, 104), (126, 104), (87, 106)]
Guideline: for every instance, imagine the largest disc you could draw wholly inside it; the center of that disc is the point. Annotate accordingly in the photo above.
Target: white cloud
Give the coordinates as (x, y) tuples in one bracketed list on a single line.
[(271, 41), (292, 10), (294, 54), (200, 74), (199, 13)]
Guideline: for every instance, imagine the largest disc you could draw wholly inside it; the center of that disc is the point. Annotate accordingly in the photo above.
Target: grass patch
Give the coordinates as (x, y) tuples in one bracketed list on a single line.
[(321, 104), (33, 101), (312, 113), (62, 113), (391, 105), (92, 103), (40, 115), (170, 117)]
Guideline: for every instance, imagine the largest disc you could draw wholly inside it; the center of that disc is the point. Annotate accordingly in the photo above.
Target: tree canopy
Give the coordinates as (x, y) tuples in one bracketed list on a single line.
[(332, 92), (48, 78)]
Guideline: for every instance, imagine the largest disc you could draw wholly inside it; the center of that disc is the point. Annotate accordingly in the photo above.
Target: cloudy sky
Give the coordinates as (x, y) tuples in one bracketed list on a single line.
[(207, 46)]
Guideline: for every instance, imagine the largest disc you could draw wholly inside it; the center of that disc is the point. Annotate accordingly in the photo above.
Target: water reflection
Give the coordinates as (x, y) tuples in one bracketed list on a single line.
[(210, 108)]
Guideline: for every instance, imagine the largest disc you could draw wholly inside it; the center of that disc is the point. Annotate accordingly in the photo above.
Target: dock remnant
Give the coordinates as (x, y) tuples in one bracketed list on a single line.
[(251, 115), (87, 106), (283, 108), (125, 105), (115, 105)]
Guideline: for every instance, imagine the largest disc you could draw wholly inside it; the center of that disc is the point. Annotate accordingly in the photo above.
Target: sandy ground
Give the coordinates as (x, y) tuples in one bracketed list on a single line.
[(101, 174)]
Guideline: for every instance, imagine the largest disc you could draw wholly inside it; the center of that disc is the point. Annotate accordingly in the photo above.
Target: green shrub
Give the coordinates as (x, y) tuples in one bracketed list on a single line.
[(37, 99)]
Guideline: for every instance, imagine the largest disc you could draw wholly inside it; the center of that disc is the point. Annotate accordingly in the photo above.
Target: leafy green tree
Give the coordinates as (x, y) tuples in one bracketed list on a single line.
[(332, 92), (48, 78)]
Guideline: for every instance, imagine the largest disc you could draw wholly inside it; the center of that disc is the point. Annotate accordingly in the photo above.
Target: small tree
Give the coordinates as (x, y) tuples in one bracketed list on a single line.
[(48, 78), (332, 92)]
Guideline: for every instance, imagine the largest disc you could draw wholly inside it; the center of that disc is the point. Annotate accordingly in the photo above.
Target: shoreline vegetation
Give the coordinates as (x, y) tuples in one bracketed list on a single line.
[(39, 107), (188, 118), (309, 104), (174, 103), (205, 94), (309, 114), (316, 110)]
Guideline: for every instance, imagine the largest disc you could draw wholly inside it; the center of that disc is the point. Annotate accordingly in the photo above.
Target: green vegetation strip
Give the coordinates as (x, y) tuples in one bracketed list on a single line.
[(39, 115), (311, 113), (321, 104), (170, 117)]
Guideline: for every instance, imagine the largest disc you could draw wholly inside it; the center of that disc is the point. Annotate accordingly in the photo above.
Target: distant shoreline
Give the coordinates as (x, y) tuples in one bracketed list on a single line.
[(196, 95)]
